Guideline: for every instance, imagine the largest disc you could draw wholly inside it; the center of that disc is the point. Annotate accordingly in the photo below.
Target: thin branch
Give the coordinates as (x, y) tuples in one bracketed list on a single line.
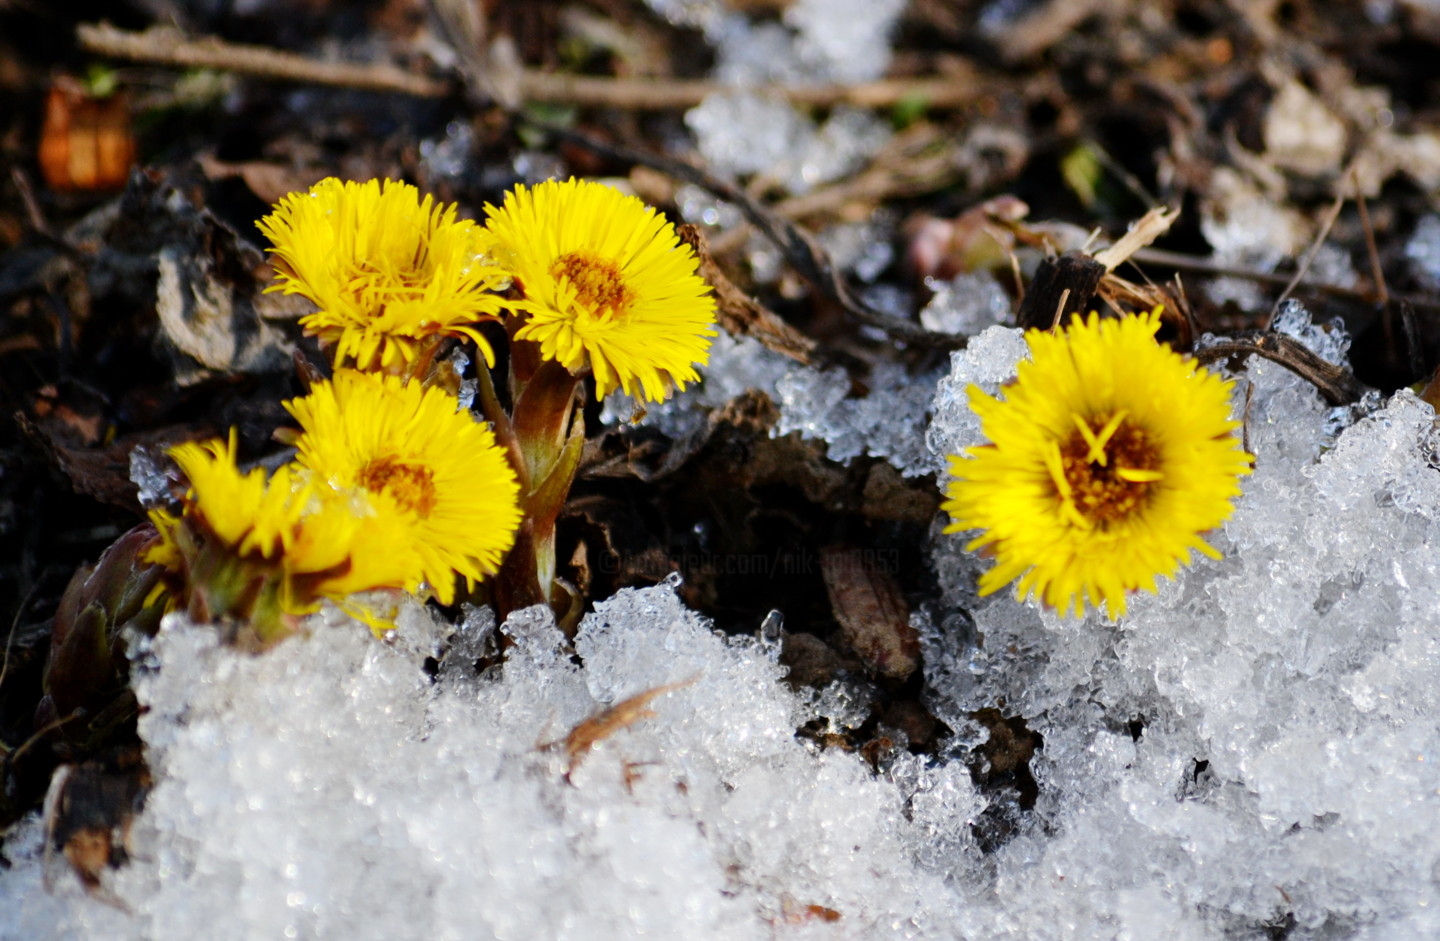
[(22, 186), (1309, 259), (649, 94), (163, 45), (1377, 274), (1337, 385), (1183, 262)]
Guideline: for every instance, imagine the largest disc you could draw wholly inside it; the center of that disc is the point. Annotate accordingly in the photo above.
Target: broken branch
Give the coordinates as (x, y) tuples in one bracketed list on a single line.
[(164, 45)]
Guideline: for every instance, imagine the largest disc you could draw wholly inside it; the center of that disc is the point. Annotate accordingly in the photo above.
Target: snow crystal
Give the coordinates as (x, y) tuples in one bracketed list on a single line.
[(330, 788), (1247, 230), (966, 304), (988, 361), (449, 157), (748, 54), (826, 40), (843, 704), (533, 167), (1330, 342), (861, 247), (466, 389), (839, 146), (772, 132), (887, 422), (704, 14), (844, 40), (698, 206), (741, 133), (149, 472), (736, 365)]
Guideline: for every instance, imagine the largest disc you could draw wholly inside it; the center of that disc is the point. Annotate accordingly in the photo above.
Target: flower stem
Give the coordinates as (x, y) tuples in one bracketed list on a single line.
[(544, 435)]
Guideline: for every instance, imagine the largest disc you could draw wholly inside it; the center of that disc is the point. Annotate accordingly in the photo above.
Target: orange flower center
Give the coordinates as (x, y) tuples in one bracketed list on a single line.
[(1107, 472), (411, 486), (599, 284)]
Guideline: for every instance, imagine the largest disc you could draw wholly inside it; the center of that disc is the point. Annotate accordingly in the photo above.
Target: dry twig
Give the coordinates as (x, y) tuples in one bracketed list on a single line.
[(1336, 384), (1183, 262), (164, 45), (1309, 258)]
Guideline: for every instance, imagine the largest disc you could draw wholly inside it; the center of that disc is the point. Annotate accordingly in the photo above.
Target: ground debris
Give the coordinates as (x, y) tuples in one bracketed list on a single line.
[(89, 812), (590, 732), (867, 601)]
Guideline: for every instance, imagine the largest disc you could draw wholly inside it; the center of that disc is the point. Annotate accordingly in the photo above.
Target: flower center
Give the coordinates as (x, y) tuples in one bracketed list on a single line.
[(371, 284), (411, 486), (599, 284), (1105, 474)]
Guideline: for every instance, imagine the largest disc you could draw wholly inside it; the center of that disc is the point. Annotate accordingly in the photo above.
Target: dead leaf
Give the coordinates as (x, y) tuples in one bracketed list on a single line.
[(739, 313), (268, 181), (867, 602), (607, 722), (889, 496), (102, 471)]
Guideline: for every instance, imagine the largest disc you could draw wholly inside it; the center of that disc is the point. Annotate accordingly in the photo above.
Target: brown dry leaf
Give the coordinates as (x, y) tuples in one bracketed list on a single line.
[(269, 181), (812, 662), (739, 313), (794, 913), (889, 496), (101, 471), (874, 619), (607, 722), (1141, 234), (212, 323)]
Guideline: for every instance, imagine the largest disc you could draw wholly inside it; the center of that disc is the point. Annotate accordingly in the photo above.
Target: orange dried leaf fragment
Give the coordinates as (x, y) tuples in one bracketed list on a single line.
[(625, 713), (86, 143)]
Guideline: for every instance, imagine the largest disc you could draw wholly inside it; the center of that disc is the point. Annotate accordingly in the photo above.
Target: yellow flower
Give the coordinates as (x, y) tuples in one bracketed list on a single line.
[(434, 473), (1109, 456), (250, 546), (605, 279), (390, 272)]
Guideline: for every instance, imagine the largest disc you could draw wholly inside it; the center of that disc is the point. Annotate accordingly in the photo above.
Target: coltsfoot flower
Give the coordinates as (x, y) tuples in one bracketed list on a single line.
[(606, 281), (389, 271), (433, 474), (257, 546), (1109, 457)]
